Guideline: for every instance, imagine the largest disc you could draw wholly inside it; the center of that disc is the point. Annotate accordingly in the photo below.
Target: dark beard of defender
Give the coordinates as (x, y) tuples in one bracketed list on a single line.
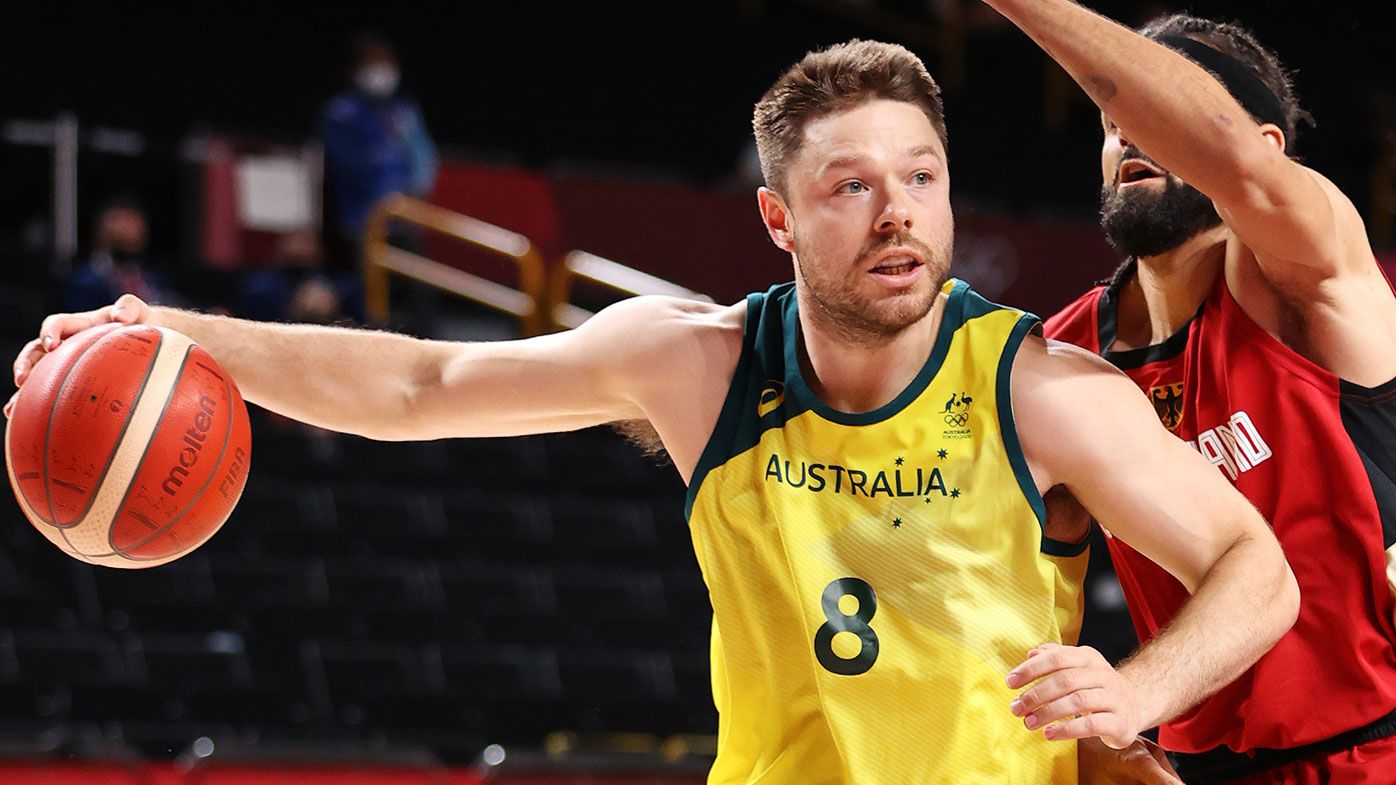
[(1140, 223)]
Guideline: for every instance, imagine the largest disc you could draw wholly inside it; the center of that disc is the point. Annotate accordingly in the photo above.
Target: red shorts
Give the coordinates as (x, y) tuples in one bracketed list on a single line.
[(1373, 763)]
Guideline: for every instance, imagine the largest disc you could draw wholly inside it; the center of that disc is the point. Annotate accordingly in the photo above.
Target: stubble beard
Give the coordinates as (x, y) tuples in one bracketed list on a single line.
[(855, 319)]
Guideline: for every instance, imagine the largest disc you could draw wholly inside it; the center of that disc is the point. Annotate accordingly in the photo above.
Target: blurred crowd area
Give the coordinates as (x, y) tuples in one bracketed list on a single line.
[(254, 141), (230, 159)]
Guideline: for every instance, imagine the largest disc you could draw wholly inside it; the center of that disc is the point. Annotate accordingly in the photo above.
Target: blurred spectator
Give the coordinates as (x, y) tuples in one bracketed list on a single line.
[(118, 261), (375, 140), (297, 288)]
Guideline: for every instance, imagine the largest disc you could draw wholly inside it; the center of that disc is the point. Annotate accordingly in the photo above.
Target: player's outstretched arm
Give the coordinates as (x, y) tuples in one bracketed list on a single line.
[(1085, 426), (1301, 227), (393, 387)]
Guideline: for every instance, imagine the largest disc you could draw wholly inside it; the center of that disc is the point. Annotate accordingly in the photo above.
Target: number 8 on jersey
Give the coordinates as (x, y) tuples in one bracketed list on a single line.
[(856, 623)]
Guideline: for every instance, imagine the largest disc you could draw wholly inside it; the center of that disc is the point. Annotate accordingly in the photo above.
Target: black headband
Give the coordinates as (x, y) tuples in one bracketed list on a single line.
[(1235, 76)]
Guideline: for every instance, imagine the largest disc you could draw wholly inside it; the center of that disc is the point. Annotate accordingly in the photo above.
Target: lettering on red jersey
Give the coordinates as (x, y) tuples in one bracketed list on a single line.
[(1235, 448)]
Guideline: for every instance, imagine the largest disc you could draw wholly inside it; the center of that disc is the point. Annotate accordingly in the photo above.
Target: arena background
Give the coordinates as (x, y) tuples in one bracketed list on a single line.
[(529, 609)]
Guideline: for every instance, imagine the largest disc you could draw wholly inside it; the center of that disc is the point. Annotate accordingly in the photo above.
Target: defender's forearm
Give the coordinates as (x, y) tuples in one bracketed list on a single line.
[(1243, 605)]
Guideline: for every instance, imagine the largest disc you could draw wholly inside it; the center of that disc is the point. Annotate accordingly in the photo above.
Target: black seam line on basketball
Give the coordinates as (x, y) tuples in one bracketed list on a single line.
[(48, 436), (130, 413), (126, 425), (222, 451), (111, 524), (145, 519), (72, 486), (211, 371)]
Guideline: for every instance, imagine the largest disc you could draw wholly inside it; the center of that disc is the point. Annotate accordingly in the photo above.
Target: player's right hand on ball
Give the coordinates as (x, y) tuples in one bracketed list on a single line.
[(128, 309)]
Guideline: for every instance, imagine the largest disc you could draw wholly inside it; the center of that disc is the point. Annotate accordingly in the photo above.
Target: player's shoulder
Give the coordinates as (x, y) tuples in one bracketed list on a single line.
[(675, 314), (1066, 400), (1051, 377), (658, 331), (1048, 359)]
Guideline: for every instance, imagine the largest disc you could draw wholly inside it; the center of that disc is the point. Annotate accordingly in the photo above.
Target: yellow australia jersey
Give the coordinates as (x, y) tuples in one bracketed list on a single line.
[(875, 576)]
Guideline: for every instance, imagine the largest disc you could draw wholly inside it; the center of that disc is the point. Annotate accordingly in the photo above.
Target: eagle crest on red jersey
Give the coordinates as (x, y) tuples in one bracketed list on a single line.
[(1168, 402)]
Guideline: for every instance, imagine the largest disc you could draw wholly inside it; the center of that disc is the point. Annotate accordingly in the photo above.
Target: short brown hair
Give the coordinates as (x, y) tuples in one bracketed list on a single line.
[(833, 80)]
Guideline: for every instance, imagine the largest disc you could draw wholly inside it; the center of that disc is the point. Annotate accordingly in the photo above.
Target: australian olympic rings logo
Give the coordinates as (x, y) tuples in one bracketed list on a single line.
[(957, 420)]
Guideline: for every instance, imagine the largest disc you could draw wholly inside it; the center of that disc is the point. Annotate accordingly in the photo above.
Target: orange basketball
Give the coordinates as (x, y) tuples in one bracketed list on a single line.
[(129, 446)]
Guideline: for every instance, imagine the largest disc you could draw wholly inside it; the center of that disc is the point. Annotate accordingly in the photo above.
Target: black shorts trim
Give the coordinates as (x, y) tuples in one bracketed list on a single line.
[(1222, 764)]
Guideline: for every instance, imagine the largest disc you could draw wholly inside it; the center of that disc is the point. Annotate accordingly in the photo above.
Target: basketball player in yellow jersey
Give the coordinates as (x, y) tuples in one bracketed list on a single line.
[(867, 450)]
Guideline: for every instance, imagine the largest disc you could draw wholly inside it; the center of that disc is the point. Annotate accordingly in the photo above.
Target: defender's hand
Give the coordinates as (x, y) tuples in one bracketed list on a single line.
[(128, 309), (1141, 763), (1079, 695)]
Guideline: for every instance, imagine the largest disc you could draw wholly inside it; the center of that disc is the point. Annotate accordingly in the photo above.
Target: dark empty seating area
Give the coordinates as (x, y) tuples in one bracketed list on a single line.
[(441, 595)]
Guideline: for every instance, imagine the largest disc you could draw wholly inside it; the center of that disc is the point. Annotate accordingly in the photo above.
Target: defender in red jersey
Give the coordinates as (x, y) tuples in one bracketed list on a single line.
[(1253, 314)]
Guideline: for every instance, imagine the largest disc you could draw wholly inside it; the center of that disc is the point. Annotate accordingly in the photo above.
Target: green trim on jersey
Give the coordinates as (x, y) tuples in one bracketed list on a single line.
[(950, 321)]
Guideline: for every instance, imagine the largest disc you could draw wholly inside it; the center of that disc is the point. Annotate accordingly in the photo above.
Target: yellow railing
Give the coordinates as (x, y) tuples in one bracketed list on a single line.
[(612, 275), (381, 258), (541, 301)]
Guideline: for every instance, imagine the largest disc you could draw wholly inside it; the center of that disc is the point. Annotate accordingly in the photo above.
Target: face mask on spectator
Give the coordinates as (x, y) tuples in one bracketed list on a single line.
[(124, 256), (378, 80)]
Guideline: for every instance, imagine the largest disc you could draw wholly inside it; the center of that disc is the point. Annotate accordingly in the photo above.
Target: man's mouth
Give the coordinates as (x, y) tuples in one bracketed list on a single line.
[(896, 269), (897, 262), (1137, 171)]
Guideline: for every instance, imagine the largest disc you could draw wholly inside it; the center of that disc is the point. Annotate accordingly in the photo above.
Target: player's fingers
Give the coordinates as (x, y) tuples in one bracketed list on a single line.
[(1056, 685), (129, 309), (1047, 659), (1103, 724), (1070, 705), (25, 361), (10, 407), (61, 325)]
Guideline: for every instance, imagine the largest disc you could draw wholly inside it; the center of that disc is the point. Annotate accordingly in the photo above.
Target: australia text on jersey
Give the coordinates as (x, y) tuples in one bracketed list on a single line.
[(818, 477)]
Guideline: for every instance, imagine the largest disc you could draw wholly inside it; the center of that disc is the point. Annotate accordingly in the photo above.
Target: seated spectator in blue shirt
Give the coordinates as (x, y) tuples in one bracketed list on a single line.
[(117, 264), (375, 140)]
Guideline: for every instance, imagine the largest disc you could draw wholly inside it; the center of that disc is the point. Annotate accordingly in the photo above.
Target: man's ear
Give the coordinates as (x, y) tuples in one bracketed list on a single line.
[(1274, 135), (776, 215)]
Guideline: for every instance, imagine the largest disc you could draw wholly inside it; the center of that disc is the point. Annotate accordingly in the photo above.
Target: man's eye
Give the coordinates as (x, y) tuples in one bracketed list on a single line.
[(854, 187), (922, 178)]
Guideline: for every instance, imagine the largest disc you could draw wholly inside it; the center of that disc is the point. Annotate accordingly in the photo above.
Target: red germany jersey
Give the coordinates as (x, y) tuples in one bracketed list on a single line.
[(1317, 456)]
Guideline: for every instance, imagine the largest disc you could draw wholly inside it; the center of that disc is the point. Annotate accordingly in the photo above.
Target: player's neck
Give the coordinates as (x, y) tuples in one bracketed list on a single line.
[(1167, 289), (861, 376)]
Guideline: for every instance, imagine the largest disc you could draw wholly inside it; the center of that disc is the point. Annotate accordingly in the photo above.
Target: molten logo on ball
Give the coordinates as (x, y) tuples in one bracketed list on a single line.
[(128, 446), (194, 437)]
